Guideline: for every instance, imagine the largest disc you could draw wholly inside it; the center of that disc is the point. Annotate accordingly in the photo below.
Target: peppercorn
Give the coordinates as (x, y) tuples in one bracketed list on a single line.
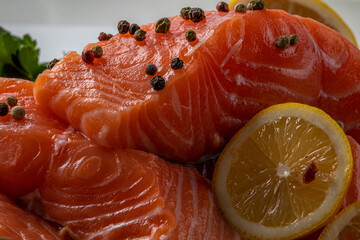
[(157, 83), (196, 15), (162, 25), (282, 42), (140, 35), (102, 36), (190, 35), (108, 36), (177, 63), (222, 7), (88, 56), (98, 51), (256, 5), (184, 13), (150, 69), (123, 26), (310, 173), (240, 7), (4, 109), (53, 63), (133, 28), (17, 113), (11, 101), (341, 124), (293, 39)]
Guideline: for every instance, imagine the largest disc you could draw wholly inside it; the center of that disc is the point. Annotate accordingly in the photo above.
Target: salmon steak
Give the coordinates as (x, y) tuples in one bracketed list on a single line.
[(92, 192), (232, 71), (17, 224), (99, 193), (26, 144)]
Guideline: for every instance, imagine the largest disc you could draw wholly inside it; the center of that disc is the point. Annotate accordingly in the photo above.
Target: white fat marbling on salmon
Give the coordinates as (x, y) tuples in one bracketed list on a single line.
[(231, 52)]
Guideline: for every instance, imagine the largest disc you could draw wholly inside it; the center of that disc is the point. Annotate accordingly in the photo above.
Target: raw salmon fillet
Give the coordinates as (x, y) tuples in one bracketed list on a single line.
[(230, 73), (128, 194), (16, 224), (27, 144)]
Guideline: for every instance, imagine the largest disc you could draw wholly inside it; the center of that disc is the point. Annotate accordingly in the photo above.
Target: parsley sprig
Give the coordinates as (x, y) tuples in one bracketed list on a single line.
[(19, 57)]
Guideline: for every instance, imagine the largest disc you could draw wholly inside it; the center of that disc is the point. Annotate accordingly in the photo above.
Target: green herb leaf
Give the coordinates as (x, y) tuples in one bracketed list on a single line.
[(19, 58)]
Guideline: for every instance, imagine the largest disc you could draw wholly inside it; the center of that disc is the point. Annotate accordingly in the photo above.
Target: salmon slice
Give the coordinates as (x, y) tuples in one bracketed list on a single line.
[(17, 224), (25, 144), (99, 193), (232, 71)]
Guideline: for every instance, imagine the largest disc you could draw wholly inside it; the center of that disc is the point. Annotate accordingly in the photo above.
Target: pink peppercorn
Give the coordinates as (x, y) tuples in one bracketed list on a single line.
[(222, 7), (88, 56)]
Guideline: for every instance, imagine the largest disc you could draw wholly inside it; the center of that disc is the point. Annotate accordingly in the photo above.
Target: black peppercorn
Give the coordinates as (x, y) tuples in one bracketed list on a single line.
[(140, 35), (293, 39), (184, 13), (11, 101), (282, 42), (162, 25), (53, 63), (4, 109), (256, 5), (190, 35), (196, 15), (177, 63), (123, 26), (133, 28), (157, 83), (150, 69), (222, 7)]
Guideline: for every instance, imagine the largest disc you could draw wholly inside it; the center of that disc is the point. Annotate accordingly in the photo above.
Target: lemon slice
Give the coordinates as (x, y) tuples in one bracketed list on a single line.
[(315, 9), (346, 225), (284, 174)]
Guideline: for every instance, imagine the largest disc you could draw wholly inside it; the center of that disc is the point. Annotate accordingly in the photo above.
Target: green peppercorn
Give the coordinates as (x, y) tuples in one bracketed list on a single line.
[(157, 83), (256, 5), (162, 25), (150, 69), (196, 15), (108, 36), (140, 35), (240, 7), (293, 39), (98, 51), (177, 63), (11, 101), (190, 35), (17, 113), (123, 26), (53, 63), (133, 28), (184, 13), (4, 109), (282, 42), (341, 124)]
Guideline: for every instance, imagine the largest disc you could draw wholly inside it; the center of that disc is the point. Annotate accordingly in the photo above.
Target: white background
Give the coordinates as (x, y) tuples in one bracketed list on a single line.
[(65, 25)]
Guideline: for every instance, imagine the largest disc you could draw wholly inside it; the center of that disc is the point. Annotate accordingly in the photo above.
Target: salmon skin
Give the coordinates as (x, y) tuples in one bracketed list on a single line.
[(128, 194), (16, 224), (25, 144), (232, 71)]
